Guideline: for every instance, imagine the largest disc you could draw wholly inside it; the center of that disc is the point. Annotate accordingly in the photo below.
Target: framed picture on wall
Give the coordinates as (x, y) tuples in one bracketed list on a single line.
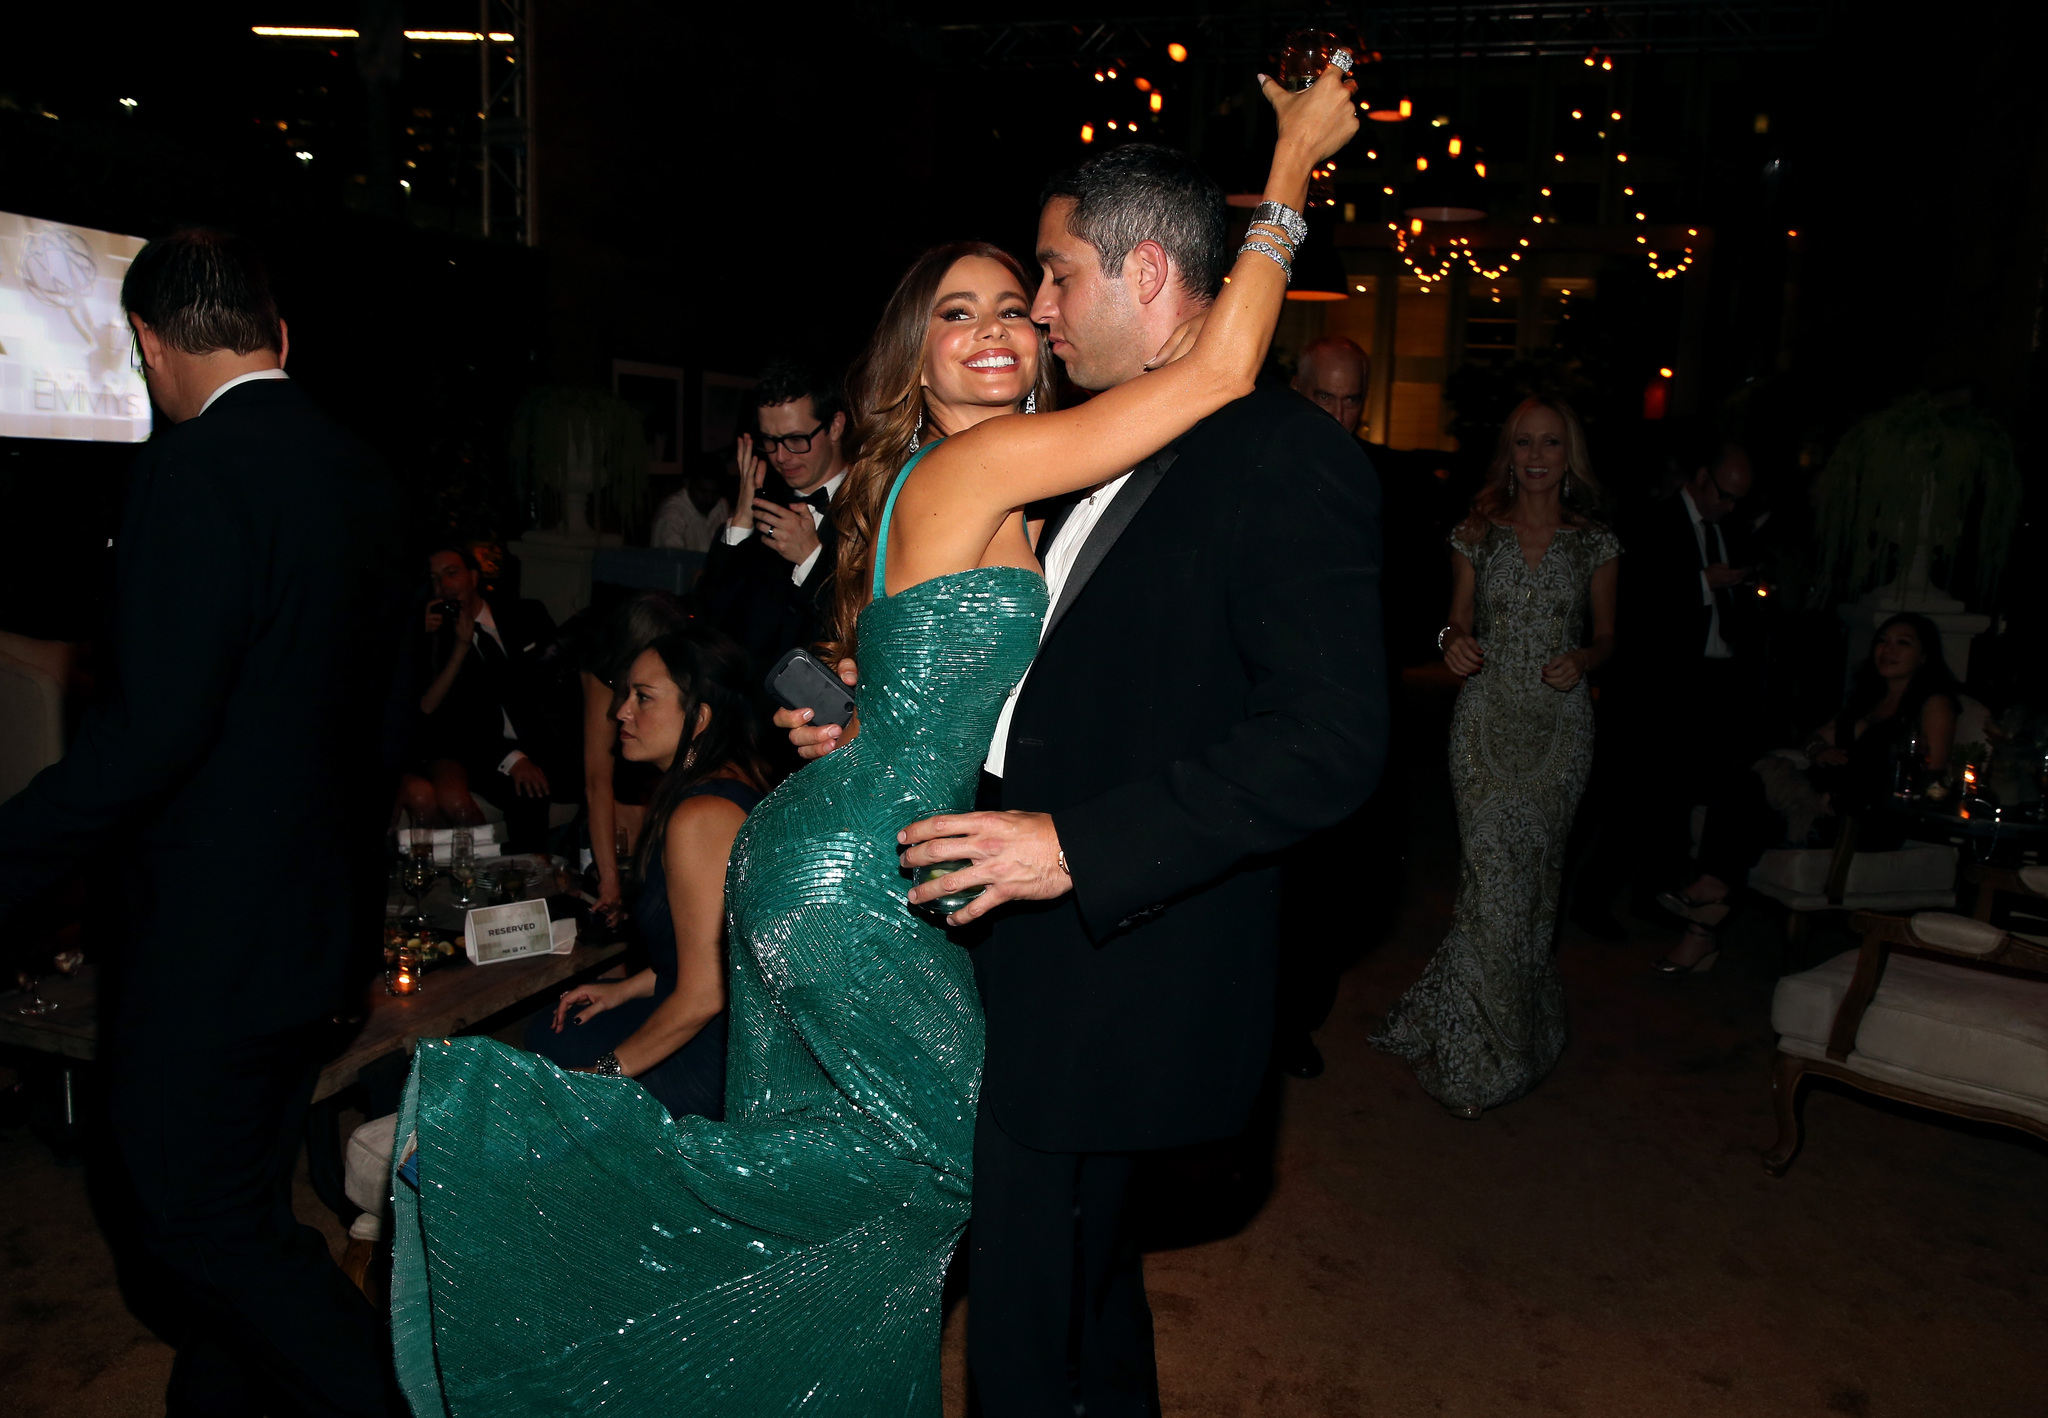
[(724, 410), (657, 391)]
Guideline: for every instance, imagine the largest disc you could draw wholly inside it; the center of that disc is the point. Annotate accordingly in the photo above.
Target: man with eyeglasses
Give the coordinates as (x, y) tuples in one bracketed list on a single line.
[(768, 579), (1683, 703)]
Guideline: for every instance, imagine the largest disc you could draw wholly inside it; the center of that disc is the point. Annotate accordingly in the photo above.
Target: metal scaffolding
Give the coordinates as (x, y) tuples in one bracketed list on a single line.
[(1543, 29), (505, 109)]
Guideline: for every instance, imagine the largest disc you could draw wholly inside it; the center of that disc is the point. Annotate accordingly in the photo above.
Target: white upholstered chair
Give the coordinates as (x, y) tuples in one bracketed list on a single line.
[(1958, 1025)]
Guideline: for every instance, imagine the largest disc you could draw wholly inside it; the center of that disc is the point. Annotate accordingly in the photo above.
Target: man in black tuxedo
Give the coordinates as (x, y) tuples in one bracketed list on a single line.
[(767, 580), (1682, 704), (234, 775), (1209, 689), (498, 704)]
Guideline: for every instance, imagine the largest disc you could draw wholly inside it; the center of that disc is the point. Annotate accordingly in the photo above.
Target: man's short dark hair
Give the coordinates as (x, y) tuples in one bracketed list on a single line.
[(1144, 192), (785, 381), (454, 548), (203, 290)]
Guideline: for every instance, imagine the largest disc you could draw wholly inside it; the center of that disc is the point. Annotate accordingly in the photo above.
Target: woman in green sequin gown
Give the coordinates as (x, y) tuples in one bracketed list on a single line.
[(562, 1244), (1485, 1023)]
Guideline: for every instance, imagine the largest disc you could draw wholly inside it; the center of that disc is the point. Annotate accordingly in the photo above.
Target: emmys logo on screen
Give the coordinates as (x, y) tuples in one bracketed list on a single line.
[(66, 355), (53, 398)]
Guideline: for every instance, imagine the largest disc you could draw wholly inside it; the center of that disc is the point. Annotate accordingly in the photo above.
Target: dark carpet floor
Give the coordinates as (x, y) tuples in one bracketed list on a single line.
[(1608, 1245)]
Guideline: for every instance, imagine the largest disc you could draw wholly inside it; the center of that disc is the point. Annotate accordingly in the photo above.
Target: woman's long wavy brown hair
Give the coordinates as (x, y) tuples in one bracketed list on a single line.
[(1582, 497), (885, 389)]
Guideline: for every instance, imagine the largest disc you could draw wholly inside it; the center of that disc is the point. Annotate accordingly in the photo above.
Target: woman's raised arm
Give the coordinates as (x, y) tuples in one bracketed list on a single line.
[(1007, 462)]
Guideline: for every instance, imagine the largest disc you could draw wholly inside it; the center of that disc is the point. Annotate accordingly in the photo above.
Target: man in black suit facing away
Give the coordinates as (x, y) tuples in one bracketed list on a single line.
[(767, 580), (235, 772), (1209, 689)]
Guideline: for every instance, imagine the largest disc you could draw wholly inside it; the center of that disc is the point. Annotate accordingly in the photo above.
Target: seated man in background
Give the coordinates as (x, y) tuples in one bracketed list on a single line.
[(497, 714), (767, 582)]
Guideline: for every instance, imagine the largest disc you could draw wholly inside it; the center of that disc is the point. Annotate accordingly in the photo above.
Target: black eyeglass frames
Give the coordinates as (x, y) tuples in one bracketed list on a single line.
[(794, 442)]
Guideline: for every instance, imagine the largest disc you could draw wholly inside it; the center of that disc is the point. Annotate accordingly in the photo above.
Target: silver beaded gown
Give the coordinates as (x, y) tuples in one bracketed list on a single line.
[(1486, 1021), (569, 1248)]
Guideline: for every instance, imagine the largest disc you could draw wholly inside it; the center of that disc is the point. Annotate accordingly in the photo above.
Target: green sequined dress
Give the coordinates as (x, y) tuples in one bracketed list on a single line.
[(570, 1248)]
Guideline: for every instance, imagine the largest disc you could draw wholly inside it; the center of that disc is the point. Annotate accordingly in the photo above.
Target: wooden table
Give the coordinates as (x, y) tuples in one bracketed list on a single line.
[(451, 998)]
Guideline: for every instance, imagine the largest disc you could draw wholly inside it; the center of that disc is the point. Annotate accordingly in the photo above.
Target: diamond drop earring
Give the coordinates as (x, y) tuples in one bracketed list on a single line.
[(914, 439), (1031, 402)]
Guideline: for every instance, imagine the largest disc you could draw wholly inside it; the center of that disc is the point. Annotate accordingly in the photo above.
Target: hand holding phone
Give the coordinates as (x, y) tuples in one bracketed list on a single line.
[(798, 681)]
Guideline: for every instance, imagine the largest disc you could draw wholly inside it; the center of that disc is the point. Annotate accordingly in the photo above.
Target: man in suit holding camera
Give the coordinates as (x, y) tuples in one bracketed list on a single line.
[(235, 776)]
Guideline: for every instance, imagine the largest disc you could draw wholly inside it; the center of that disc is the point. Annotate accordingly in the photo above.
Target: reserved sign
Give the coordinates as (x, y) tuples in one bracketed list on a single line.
[(494, 933)]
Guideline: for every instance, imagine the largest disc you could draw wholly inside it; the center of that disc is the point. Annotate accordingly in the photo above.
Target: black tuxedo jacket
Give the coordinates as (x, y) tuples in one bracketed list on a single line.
[(1662, 630), (533, 684), (1211, 689), (747, 591), (235, 771)]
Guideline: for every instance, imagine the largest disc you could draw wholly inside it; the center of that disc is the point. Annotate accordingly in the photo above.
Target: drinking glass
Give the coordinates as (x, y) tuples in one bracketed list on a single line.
[(1307, 54), (35, 1005), (462, 866), (417, 874)]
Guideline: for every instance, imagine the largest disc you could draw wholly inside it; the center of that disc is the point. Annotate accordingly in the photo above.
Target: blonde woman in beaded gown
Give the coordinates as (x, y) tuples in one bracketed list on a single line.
[(564, 1246), (1532, 567)]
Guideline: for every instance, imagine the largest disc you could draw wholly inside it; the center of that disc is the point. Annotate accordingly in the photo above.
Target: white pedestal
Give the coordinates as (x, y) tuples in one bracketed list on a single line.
[(555, 568)]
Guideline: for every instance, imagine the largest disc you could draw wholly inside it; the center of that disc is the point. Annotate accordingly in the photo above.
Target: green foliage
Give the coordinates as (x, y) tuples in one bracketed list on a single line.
[(558, 431), (1953, 459)]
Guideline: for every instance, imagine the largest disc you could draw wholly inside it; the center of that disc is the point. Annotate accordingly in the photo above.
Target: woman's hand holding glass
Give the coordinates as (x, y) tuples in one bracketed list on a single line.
[(1314, 123)]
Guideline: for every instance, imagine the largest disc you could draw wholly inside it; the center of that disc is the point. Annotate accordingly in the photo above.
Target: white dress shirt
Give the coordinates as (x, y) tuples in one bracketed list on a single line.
[(1716, 647), (735, 535), (678, 523), (1059, 562), (251, 377)]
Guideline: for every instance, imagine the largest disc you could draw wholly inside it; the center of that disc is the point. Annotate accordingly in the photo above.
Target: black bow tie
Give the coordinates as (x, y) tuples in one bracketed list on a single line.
[(819, 499)]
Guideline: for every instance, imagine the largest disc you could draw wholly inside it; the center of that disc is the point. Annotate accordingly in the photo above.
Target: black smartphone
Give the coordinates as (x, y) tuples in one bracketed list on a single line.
[(449, 610), (798, 681)]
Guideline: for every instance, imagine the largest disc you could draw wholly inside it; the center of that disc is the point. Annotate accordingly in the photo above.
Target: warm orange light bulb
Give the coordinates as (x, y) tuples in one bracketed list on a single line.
[(1157, 103), (1664, 373), (1480, 168), (1087, 132), (1415, 226), (1457, 145), (1178, 53), (1422, 164), (1407, 108), (1144, 85)]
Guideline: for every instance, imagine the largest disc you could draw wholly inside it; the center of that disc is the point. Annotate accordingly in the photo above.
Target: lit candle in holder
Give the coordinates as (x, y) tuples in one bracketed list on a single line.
[(403, 976)]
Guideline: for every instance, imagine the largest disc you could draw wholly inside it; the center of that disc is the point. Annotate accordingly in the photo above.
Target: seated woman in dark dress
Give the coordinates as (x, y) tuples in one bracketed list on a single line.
[(1902, 704), (684, 709)]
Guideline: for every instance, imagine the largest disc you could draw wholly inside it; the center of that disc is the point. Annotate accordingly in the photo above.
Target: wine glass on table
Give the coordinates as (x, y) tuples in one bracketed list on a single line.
[(35, 1006), (417, 876), (462, 866)]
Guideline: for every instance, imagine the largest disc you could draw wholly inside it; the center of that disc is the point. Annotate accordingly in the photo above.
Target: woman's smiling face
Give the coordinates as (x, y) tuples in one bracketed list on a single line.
[(983, 348), (1538, 450)]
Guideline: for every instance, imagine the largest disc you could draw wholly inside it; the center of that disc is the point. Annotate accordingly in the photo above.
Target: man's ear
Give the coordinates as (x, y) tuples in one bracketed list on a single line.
[(838, 426), (1148, 270), (147, 342), (284, 343)]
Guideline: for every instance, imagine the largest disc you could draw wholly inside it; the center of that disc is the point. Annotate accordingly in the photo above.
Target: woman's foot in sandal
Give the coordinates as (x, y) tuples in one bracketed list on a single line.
[(1705, 893), (1697, 949)]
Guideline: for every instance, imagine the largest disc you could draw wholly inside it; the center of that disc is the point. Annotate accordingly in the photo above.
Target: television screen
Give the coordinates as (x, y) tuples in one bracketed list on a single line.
[(66, 366)]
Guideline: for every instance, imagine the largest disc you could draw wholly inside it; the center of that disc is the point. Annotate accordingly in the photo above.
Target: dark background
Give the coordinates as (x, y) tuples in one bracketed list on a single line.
[(718, 184)]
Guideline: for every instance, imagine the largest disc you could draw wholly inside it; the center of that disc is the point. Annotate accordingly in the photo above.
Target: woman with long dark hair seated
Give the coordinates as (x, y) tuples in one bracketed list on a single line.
[(683, 709), (1903, 695), (617, 788)]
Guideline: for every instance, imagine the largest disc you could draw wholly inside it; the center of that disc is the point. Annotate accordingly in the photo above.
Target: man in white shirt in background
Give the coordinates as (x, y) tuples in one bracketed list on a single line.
[(768, 579)]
